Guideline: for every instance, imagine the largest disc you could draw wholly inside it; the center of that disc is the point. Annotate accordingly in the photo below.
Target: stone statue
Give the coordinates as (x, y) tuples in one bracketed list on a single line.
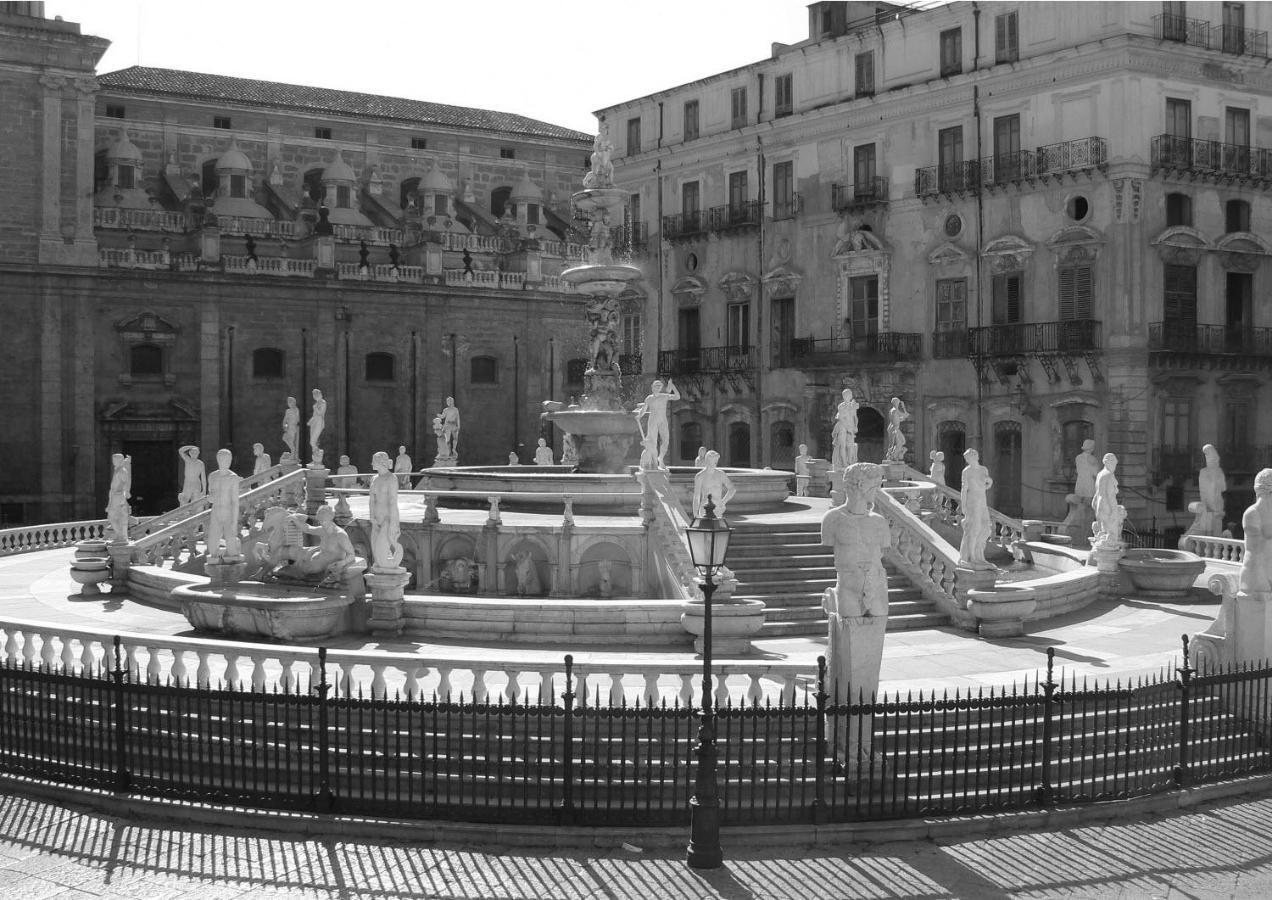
[(194, 477), (260, 459), (605, 578), (346, 468), (896, 437), (291, 428), (701, 459), (859, 536), (513, 458), (527, 574), (402, 467), (974, 506), (543, 454), (654, 409), (1109, 515), (316, 423), (1087, 467), (1212, 484), (450, 428), (569, 452), (117, 509), (329, 560), (223, 522), (443, 443), (844, 433), (601, 241), (459, 576), (1256, 565), (936, 468), (712, 482), (602, 319), (803, 473), (602, 172), (386, 552)]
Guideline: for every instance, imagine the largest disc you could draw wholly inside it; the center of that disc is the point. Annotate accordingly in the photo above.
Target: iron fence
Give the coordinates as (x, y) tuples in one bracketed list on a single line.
[(819, 759), (887, 346)]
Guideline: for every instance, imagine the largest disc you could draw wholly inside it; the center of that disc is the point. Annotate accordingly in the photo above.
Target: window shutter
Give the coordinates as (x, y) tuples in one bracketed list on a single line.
[(1066, 294), (1082, 293), (1013, 298)]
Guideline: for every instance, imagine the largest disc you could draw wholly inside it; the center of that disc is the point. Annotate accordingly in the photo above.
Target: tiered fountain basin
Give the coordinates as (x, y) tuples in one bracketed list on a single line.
[(1161, 573), (253, 610), (1055, 580)]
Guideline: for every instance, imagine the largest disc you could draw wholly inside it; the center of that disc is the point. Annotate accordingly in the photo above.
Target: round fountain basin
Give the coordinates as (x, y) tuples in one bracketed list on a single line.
[(1161, 573), (1001, 610), (253, 610)]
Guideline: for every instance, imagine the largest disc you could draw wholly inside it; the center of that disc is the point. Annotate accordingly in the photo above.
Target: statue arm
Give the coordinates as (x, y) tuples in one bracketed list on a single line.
[(672, 391)]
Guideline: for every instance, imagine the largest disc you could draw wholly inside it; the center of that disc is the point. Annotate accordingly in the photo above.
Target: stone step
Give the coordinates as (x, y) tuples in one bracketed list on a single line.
[(787, 610), (769, 539), (788, 574), (765, 528), (900, 622)]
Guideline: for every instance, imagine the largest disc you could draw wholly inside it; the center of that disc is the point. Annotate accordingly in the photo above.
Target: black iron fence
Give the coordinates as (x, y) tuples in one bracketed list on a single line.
[(743, 214), (821, 759), (1200, 33), (1214, 158)]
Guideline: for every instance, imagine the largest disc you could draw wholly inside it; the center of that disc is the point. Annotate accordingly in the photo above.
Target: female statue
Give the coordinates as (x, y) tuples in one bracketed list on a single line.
[(974, 505)]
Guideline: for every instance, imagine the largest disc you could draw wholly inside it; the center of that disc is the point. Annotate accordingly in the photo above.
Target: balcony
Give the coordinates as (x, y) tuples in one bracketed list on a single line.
[(1200, 33), (788, 209), (1242, 41), (1182, 30), (883, 347), (1211, 159), (736, 216), (1066, 337), (951, 344), (1189, 338), (684, 226), (870, 192), (947, 179), (630, 239), (1080, 155), (707, 361), (1177, 463)]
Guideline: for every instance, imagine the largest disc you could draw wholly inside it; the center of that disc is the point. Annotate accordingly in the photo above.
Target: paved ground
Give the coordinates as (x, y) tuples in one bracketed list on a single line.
[(1221, 849)]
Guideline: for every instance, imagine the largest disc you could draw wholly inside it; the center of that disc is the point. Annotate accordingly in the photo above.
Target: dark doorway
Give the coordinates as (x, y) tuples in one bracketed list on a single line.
[(1006, 469), (782, 445), (870, 435), (740, 444), (154, 473), (952, 442), (689, 340)]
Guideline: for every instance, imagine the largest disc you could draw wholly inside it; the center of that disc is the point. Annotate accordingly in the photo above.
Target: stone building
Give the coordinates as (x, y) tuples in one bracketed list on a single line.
[(181, 252), (1035, 223)]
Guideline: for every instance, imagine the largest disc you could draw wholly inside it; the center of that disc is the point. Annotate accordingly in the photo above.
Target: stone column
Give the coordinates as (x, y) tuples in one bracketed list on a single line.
[(315, 488), (388, 600)]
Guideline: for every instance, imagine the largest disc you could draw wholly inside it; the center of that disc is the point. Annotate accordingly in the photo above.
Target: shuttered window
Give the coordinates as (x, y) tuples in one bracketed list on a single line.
[(1075, 293), (865, 83), (1006, 43), (1006, 299), (1179, 296)]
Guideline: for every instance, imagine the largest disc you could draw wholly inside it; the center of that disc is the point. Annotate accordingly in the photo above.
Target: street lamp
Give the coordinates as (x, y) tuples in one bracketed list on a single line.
[(708, 544)]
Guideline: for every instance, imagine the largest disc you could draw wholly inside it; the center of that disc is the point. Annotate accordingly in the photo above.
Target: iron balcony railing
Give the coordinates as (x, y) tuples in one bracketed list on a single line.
[(1182, 30), (1179, 463), (684, 225), (1198, 156), (731, 216), (869, 192), (952, 344), (1222, 340), (948, 178), (1070, 156), (1009, 168), (1200, 33), (1068, 336), (888, 346), (630, 238), (707, 360), (788, 209), (1242, 41)]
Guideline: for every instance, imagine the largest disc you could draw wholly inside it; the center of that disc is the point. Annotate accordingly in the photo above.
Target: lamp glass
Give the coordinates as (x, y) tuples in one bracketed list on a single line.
[(708, 539)]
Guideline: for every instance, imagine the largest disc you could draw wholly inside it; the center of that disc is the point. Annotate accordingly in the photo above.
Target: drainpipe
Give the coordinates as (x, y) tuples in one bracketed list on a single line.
[(658, 181), (348, 405), (980, 228), (415, 393), (229, 386), (453, 363), (761, 455), (516, 391)]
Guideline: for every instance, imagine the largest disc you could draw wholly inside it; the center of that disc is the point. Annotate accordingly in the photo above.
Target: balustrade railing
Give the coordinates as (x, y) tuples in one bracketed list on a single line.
[(1207, 547), (707, 360), (789, 208), (116, 258), (1068, 336), (1005, 530), (1008, 168), (141, 219), (684, 225), (868, 192), (185, 511), (270, 265), (30, 538), (887, 346), (1214, 158), (947, 178), (1219, 340), (921, 554), (951, 344), (274, 228), (1069, 156), (746, 214)]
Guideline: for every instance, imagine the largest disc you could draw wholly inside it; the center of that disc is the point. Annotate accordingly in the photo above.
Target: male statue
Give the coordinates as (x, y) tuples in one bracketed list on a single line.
[(654, 409), (223, 522), (1212, 483), (859, 536), (450, 428), (260, 459), (1256, 565), (803, 471), (194, 479)]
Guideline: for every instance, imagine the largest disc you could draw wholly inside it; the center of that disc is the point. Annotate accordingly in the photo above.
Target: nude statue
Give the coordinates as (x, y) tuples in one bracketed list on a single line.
[(117, 509), (1087, 467), (1256, 565), (402, 468), (513, 458), (346, 468), (316, 423), (450, 428), (844, 433), (194, 478), (1212, 483), (654, 408), (974, 506), (701, 459), (803, 471), (859, 537), (260, 459), (329, 559), (543, 454), (527, 574), (936, 467), (896, 437), (1109, 515), (386, 552), (569, 452), (223, 522), (712, 482), (291, 427), (439, 433)]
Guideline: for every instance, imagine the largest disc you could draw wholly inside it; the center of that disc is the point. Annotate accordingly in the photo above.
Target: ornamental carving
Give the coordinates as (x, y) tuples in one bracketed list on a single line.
[(1181, 246), (782, 282), (738, 287), (947, 254), (1008, 254), (688, 290)]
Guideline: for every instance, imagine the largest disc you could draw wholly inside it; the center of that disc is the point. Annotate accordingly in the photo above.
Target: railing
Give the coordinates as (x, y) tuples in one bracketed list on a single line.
[(788, 209), (949, 178), (1180, 463), (707, 360), (630, 239), (1220, 340), (684, 225), (1207, 547), (1214, 158), (493, 278), (31, 538), (1242, 41), (1246, 458), (1069, 156), (372, 234), (951, 344), (677, 575), (746, 214), (1068, 336), (1004, 529), (1008, 168), (1182, 30), (188, 510), (922, 555), (887, 346), (1200, 33), (281, 266), (871, 192), (140, 219), (115, 258), (273, 228)]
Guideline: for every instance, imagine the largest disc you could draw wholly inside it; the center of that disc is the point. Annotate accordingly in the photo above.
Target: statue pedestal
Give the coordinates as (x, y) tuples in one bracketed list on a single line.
[(445, 462), (315, 487), (1250, 630), (733, 622), (120, 561), (388, 600), (224, 571), (854, 655), (893, 472), (1106, 557), (344, 515)]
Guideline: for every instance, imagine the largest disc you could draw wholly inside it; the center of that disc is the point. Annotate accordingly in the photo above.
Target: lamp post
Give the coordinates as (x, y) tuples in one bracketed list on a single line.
[(708, 544)]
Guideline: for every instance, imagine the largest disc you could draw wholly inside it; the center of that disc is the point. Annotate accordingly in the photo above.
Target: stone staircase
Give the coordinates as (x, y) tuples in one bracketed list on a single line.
[(788, 567)]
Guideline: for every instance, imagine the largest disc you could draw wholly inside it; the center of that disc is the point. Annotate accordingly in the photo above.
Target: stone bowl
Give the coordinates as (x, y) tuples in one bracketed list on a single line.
[(732, 624), (1001, 610), (1160, 573), (90, 571)]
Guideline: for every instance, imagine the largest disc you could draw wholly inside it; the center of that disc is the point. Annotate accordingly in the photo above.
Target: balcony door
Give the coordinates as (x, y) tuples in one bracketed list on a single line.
[(863, 311), (1179, 307), (689, 339), (949, 146), (782, 311), (1007, 148), (738, 195), (739, 326), (1238, 302), (1007, 465), (863, 167), (1236, 152), (1234, 28), (690, 205)]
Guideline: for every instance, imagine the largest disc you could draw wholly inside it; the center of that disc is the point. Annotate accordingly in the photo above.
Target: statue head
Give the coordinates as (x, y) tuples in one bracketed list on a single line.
[(896, 401), (1211, 454), (401, 448), (847, 394), (1263, 483), (450, 401), (711, 458), (117, 459), (543, 442), (317, 394), (258, 448), (1110, 461), (224, 458), (861, 480), (1088, 445), (344, 459), (803, 449), (656, 387), (380, 462), (291, 402), (971, 456), (324, 514)]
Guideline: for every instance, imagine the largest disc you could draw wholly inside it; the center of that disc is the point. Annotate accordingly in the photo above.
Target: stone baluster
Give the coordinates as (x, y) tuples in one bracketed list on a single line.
[(287, 677), (788, 689), (152, 665), (686, 690), (494, 510), (512, 690), (379, 687), (202, 673), (567, 517), (754, 693), (479, 686), (47, 656), (721, 689), (411, 680), (11, 646), (231, 677), (443, 683), (345, 680), (68, 655), (258, 671), (649, 691), (616, 694), (178, 673)]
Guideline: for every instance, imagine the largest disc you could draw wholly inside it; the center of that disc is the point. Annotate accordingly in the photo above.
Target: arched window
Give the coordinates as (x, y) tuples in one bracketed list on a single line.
[(407, 190), (1236, 215), (498, 200), (782, 445), (690, 441), (313, 185), (484, 370), (379, 367), (145, 360), (1179, 210), (267, 362)]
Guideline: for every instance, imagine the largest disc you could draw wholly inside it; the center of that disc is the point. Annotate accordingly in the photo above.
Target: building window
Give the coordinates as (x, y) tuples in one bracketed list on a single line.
[(323, 134), (951, 52), (313, 185), (737, 100), (1238, 310), (949, 148), (220, 121), (498, 200), (739, 192), (739, 325), (124, 177), (1006, 302), (378, 366), (418, 143), (1006, 42), (633, 136), (1178, 117), (691, 120), (1179, 210), (1007, 159), (1176, 424), (865, 82), (145, 360), (690, 441), (1076, 293), (689, 200), (484, 370), (631, 324), (782, 445), (863, 170), (951, 304), (1236, 153), (238, 186), (1179, 295), (267, 362), (783, 102), (114, 111), (507, 152), (342, 196), (1235, 428), (632, 211), (863, 307), (532, 214), (1236, 216), (783, 190), (1072, 435), (1234, 28), (407, 190)]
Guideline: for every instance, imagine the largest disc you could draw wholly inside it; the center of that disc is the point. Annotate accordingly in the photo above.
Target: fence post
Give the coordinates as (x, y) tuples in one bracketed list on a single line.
[(1045, 794), (819, 801), (122, 776), (1184, 683), (566, 812), (325, 799)]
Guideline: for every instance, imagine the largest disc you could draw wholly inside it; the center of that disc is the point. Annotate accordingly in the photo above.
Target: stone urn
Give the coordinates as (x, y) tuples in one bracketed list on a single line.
[(733, 622), (1001, 609), (1161, 574), (90, 571)]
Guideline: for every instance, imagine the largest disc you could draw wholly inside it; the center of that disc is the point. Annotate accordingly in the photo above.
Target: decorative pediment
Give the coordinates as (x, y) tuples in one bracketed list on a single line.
[(688, 290), (1076, 245), (1181, 245), (147, 327), (1242, 251), (948, 254), (782, 281), (850, 240), (738, 287), (128, 411), (1074, 399), (1009, 253)]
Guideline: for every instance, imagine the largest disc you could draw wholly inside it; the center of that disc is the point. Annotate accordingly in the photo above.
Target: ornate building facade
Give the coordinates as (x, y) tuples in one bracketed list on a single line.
[(1034, 223), (181, 252)]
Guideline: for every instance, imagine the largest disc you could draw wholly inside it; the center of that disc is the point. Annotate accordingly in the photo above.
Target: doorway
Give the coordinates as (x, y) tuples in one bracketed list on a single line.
[(951, 440), (870, 434), (740, 444), (1006, 471), (154, 474)]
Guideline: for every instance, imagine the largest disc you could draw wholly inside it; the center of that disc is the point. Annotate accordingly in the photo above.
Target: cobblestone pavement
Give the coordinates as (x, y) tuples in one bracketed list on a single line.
[(1219, 849)]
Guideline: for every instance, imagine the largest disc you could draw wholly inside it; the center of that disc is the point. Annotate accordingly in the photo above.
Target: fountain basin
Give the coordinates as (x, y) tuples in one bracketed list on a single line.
[(1001, 610), (733, 622), (1161, 573), (253, 610)]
